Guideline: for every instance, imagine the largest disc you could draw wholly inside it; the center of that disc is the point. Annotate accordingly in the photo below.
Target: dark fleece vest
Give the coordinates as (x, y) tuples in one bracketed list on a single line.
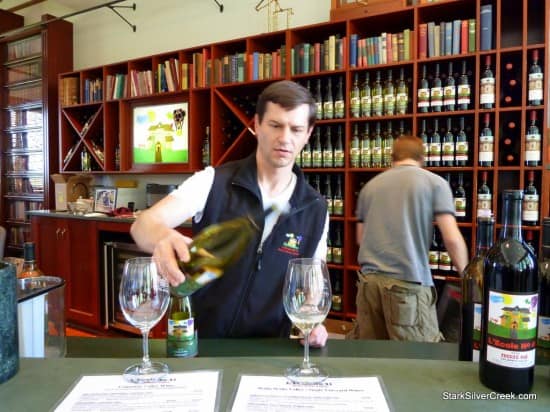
[(247, 300)]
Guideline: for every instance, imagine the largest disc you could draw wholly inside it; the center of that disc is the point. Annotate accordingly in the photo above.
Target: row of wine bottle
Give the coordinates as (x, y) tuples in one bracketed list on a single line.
[(505, 301), (335, 199)]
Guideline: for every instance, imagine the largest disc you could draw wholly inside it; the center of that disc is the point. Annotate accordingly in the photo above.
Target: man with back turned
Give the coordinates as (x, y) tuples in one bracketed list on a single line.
[(247, 300), (396, 296)]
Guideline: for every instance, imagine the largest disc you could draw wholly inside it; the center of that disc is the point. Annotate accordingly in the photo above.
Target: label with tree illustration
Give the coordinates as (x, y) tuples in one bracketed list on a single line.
[(512, 329)]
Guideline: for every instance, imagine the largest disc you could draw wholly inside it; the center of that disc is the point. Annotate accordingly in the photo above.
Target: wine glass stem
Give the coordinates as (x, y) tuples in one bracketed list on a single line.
[(146, 362), (306, 363)]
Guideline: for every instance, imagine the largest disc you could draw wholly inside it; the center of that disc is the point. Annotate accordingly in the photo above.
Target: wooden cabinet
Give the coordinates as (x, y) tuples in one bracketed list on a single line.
[(221, 82), (68, 248), (31, 60)]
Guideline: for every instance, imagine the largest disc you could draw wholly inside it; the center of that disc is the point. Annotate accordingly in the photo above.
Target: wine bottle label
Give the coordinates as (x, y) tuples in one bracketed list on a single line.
[(328, 110), (449, 95), (328, 158), (337, 255), (376, 156), (377, 104), (444, 261), (461, 154), (330, 205), (437, 96), (365, 156), (355, 155), (487, 92), (460, 206), (401, 100), (532, 147), (435, 152), (423, 97), (511, 329), (205, 277), (319, 110), (484, 205), (338, 207), (389, 103), (355, 106), (183, 329), (339, 109), (306, 158), (530, 209), (448, 151), (433, 256), (486, 143), (338, 158), (336, 303), (329, 254), (535, 86), (543, 334), (463, 94), (426, 147), (366, 106), (476, 335), (317, 158)]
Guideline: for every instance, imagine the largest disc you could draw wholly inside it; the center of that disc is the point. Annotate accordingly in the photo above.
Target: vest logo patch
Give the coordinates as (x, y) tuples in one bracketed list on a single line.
[(292, 244)]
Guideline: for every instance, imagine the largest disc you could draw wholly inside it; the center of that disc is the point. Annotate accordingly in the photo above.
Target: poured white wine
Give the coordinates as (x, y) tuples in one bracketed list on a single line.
[(306, 322)]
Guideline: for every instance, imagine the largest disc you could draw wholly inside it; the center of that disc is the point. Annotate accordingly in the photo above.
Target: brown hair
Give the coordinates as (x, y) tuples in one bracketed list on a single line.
[(289, 95), (407, 147)]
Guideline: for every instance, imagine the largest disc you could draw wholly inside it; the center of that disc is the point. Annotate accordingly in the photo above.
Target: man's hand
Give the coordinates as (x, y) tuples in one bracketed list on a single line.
[(171, 247), (318, 337)]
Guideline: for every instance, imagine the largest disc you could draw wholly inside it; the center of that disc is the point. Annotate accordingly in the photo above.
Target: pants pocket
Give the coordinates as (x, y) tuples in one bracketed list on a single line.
[(403, 306)]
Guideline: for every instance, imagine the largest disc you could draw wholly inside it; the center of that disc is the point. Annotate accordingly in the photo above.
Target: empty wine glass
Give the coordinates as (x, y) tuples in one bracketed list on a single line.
[(306, 298), (144, 296)]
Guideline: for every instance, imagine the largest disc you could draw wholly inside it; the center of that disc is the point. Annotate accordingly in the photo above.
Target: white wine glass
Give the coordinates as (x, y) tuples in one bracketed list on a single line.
[(306, 299), (144, 296)]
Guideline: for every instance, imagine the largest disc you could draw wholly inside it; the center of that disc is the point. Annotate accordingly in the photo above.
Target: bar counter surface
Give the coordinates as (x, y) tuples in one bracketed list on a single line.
[(417, 376)]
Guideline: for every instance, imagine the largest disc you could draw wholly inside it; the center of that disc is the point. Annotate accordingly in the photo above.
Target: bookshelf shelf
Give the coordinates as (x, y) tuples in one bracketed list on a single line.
[(325, 51)]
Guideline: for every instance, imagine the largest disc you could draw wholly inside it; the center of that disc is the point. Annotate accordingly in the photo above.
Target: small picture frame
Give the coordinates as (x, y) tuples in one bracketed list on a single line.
[(105, 199)]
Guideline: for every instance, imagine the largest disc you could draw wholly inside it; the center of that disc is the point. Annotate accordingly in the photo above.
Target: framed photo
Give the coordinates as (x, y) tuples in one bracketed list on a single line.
[(105, 199)]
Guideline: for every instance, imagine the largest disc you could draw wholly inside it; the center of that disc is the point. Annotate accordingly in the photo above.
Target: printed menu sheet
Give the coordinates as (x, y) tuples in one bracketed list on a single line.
[(191, 391), (278, 394)]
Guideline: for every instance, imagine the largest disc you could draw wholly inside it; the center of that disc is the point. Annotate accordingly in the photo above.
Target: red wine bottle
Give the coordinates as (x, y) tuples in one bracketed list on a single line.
[(487, 90), (425, 143), (448, 146), (484, 198), (530, 207), (460, 199), (435, 146), (436, 92), (543, 334), (536, 81), (472, 292), (423, 102), (461, 151), (509, 315), (463, 90), (449, 91), (532, 142), (486, 144)]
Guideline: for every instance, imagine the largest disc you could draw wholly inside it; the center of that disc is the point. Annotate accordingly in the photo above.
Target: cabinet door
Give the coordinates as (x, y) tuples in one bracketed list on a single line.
[(81, 252)]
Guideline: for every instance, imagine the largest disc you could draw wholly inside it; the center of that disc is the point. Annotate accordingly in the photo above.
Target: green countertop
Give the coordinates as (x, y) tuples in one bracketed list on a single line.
[(412, 384), (416, 375)]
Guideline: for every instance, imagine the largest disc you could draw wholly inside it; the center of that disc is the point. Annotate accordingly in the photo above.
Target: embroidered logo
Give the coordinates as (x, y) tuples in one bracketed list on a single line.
[(292, 244)]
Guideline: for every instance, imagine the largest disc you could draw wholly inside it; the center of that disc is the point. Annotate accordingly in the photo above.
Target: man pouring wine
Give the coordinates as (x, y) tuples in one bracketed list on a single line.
[(246, 300)]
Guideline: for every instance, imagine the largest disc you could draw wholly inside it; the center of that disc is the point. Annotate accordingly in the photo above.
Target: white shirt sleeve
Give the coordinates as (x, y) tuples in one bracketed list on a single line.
[(321, 251), (193, 193)]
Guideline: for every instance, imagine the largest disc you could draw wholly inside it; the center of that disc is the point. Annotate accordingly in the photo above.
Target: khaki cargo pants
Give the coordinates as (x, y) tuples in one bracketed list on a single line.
[(388, 308)]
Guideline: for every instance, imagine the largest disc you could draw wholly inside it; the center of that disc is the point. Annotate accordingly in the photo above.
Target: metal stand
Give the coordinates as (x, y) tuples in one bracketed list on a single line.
[(219, 5)]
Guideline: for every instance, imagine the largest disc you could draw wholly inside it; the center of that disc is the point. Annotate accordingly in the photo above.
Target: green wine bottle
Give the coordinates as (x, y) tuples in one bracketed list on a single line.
[(213, 249), (181, 339)]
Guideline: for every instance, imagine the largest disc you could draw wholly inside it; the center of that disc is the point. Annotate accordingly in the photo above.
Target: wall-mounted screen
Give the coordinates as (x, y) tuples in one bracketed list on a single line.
[(161, 133)]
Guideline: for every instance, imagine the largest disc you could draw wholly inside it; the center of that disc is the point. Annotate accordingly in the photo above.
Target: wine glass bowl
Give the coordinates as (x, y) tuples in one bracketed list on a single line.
[(144, 296), (306, 299)]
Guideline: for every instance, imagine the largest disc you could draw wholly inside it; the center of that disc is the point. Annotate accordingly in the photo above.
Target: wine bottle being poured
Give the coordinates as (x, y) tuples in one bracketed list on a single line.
[(213, 249)]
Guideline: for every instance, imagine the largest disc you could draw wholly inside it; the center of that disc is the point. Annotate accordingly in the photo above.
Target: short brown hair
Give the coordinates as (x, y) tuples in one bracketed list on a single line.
[(407, 147), (287, 94)]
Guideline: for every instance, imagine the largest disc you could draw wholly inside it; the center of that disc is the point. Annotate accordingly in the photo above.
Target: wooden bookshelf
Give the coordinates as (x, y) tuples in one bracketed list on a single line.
[(31, 61), (227, 106)]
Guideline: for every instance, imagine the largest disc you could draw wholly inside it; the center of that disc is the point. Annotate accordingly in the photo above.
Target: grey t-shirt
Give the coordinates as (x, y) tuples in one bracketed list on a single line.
[(397, 208)]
